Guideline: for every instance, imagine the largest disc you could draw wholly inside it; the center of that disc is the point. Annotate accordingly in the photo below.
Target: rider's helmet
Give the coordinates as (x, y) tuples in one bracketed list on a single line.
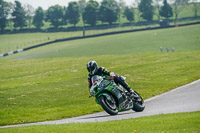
[(92, 67)]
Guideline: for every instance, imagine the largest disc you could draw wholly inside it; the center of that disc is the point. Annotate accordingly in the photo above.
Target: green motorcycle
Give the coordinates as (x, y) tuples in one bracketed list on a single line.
[(113, 98)]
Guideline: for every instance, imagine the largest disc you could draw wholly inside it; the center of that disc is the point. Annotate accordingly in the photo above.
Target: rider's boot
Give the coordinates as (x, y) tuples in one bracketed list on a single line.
[(131, 92), (121, 80)]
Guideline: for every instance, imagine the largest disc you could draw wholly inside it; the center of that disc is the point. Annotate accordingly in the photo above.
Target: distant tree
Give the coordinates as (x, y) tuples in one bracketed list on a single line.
[(157, 4), (19, 17), (179, 5), (38, 18), (196, 7), (11, 7), (129, 14), (122, 6), (29, 13), (136, 10), (90, 15), (55, 15), (82, 4), (166, 10), (4, 12), (146, 9), (72, 14), (109, 11)]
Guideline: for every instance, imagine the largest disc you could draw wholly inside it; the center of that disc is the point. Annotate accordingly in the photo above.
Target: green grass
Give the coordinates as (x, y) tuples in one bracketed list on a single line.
[(47, 88), (185, 38), (170, 123), (10, 42), (56, 88)]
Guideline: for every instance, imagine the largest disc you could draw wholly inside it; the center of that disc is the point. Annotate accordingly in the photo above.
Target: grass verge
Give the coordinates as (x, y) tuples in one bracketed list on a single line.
[(169, 123)]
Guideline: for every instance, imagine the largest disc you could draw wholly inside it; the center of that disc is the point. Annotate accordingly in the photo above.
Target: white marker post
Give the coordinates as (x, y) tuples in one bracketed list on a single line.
[(10, 53), (1, 55), (20, 50)]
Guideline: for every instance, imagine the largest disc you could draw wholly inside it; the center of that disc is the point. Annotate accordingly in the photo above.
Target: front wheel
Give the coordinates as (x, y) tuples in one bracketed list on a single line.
[(138, 104), (108, 105)]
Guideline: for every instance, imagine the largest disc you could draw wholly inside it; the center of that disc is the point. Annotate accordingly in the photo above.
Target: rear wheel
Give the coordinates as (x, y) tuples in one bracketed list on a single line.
[(108, 105), (138, 104)]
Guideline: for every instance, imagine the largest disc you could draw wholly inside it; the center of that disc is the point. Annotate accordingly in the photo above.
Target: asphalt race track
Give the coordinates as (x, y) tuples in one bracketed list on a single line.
[(183, 99)]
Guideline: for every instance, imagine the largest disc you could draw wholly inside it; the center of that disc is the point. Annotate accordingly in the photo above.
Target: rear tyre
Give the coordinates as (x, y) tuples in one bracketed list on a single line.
[(138, 104), (108, 105)]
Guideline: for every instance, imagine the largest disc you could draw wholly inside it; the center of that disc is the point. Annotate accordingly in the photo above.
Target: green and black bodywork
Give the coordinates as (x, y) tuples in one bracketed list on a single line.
[(113, 98)]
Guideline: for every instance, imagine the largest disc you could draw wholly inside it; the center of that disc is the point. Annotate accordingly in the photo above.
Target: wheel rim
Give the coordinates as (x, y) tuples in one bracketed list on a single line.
[(111, 104)]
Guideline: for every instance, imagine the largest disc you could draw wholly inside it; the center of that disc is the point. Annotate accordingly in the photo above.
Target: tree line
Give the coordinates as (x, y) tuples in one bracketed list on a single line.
[(90, 12)]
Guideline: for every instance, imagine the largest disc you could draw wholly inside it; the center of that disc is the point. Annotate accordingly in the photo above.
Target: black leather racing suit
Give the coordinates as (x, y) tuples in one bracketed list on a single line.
[(101, 71)]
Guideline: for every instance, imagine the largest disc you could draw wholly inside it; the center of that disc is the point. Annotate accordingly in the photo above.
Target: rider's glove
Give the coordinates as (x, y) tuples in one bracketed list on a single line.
[(111, 77)]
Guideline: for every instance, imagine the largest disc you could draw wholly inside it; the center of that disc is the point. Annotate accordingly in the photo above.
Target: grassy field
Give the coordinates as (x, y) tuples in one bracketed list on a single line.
[(170, 123), (54, 86), (11, 42), (182, 39), (48, 89)]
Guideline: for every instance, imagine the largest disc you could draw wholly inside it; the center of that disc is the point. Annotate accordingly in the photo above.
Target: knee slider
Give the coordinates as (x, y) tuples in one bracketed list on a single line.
[(122, 78)]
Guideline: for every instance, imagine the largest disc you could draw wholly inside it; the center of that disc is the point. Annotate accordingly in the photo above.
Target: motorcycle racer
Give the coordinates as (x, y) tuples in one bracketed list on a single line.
[(93, 69)]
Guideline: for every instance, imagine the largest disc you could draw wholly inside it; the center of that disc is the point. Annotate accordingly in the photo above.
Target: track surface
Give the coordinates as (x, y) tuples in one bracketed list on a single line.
[(183, 99)]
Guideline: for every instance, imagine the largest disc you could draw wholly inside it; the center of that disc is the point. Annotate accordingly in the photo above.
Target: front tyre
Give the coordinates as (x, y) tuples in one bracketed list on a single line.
[(108, 105), (138, 104)]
